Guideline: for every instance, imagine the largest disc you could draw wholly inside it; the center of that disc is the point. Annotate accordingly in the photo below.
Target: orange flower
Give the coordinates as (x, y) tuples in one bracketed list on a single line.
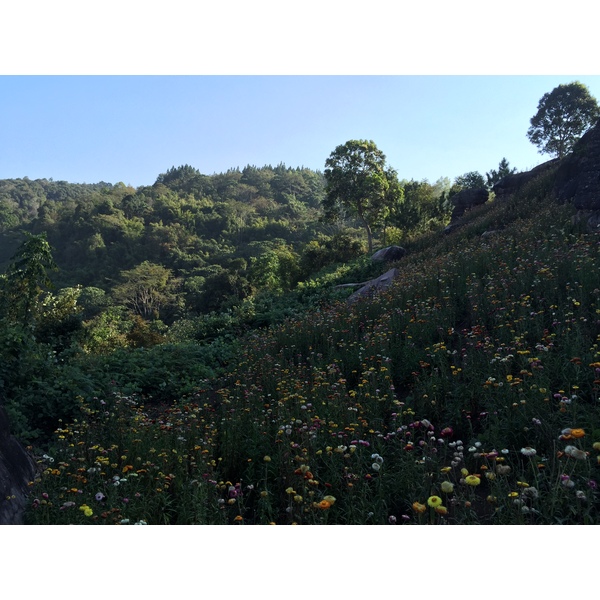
[(239, 518), (127, 468), (441, 510), (577, 433), (418, 507), (324, 505)]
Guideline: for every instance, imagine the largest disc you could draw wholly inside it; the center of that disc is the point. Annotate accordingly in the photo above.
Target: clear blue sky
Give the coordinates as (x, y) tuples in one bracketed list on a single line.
[(131, 128)]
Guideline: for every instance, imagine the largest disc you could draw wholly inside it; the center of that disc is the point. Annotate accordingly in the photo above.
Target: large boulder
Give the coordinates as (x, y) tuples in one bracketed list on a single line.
[(17, 469), (374, 286), (578, 177), (389, 254), (511, 184), (467, 199)]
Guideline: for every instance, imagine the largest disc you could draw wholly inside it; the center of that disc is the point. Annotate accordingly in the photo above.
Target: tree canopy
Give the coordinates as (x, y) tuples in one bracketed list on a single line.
[(358, 182), (563, 115)]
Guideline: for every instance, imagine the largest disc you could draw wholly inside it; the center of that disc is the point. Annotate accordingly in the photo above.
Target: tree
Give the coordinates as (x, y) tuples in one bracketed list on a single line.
[(494, 176), (357, 181), (146, 289), (470, 180), (27, 277), (563, 115)]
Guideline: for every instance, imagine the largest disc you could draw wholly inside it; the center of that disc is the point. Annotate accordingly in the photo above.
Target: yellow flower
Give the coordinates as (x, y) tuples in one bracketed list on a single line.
[(447, 487), (472, 480), (446, 469), (418, 507), (330, 499), (464, 472), (434, 501), (290, 491), (267, 458), (596, 446)]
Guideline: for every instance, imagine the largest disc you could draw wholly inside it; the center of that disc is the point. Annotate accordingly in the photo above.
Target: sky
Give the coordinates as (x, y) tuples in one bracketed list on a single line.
[(85, 129)]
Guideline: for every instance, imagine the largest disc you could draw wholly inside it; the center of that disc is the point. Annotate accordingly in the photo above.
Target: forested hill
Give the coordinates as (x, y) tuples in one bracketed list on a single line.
[(214, 240)]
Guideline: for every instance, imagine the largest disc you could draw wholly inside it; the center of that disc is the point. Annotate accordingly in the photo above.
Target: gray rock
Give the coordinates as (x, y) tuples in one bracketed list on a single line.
[(374, 286), (467, 199), (389, 254), (511, 184), (17, 469), (578, 176)]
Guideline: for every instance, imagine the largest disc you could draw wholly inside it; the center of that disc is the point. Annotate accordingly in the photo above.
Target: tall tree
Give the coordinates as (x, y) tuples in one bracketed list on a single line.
[(27, 277), (146, 289), (358, 182), (563, 115)]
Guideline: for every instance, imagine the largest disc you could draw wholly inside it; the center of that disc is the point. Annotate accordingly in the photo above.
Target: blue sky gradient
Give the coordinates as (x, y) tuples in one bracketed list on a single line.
[(132, 128)]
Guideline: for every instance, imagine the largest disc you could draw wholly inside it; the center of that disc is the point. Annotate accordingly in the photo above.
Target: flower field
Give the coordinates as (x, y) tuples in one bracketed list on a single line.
[(465, 394)]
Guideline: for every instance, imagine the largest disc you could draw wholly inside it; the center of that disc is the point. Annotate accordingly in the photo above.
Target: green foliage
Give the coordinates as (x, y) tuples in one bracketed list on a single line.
[(470, 180), (147, 289), (563, 115), (359, 183)]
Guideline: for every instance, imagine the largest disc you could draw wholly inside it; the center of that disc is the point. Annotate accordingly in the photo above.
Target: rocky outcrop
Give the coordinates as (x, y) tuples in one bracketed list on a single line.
[(511, 184), (389, 254), (374, 286), (467, 199), (578, 177), (17, 469)]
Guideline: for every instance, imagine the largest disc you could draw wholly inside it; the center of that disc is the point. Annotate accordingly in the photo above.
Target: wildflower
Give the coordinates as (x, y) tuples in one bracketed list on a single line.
[(441, 510), (503, 469), (575, 453), (531, 493), (324, 505), (100, 496), (290, 491), (87, 511), (528, 451), (267, 458), (447, 487), (580, 495), (376, 466), (434, 501), (392, 520), (419, 508), (124, 521), (596, 446), (238, 518), (566, 481), (472, 480), (330, 499), (577, 433)]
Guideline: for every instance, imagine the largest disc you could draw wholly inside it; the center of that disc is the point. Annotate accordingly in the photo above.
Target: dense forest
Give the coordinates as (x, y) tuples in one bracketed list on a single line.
[(187, 264)]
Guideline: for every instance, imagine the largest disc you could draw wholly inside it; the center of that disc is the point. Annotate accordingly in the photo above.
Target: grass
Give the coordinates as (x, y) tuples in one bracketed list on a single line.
[(465, 394)]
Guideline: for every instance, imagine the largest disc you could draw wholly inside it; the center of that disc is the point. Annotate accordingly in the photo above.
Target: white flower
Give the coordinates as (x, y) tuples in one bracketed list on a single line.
[(375, 466), (528, 451), (575, 453)]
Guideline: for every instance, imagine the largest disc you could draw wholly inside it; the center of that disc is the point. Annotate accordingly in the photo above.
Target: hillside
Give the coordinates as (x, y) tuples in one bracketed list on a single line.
[(467, 393), (228, 380)]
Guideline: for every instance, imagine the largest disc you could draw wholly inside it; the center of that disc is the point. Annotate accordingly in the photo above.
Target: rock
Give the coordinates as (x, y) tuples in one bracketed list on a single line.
[(375, 285), (467, 199), (17, 469), (489, 233), (389, 254), (578, 176), (511, 184)]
